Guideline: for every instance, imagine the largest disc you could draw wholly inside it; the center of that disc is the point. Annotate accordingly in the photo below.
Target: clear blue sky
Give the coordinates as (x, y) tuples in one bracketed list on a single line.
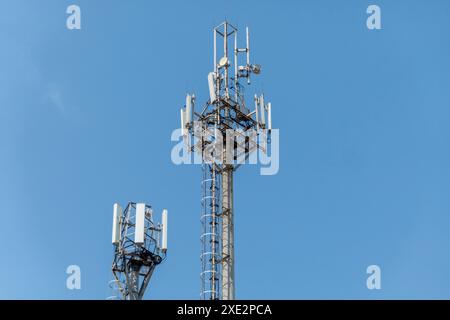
[(86, 118)]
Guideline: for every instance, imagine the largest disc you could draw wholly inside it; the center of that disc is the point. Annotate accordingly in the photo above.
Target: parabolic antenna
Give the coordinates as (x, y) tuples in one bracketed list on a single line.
[(223, 62)]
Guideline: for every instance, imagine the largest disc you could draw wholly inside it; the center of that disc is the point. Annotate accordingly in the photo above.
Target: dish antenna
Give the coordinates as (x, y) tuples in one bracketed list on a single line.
[(223, 62)]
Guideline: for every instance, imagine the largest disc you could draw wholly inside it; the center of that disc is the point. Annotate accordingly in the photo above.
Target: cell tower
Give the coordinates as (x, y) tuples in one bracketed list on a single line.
[(225, 133), (140, 245)]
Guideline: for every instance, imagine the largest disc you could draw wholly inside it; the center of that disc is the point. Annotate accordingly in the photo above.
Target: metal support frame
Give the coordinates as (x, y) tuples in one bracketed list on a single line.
[(133, 264), (227, 234)]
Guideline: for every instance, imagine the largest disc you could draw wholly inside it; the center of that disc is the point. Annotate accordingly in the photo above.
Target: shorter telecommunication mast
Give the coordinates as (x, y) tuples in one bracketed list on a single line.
[(140, 245)]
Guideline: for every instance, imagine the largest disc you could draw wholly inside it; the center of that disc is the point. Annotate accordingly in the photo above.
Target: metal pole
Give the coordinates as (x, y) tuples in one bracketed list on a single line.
[(215, 52), (236, 89), (227, 234), (227, 210), (133, 285), (225, 50)]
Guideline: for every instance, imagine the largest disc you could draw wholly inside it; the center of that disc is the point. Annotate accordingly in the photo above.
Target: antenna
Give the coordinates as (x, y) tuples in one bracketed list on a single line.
[(189, 101), (256, 111), (164, 230), (117, 214), (262, 106), (137, 248), (139, 227), (212, 87), (248, 45), (224, 114), (183, 122), (248, 52)]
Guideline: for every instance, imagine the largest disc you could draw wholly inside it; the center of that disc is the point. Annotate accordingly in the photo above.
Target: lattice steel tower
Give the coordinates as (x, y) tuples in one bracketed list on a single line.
[(140, 245), (225, 133)]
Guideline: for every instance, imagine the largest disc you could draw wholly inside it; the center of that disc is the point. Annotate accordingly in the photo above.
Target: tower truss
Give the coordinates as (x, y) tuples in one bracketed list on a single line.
[(140, 245)]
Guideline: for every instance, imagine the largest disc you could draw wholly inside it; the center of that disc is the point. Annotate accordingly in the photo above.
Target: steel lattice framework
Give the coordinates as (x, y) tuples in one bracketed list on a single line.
[(134, 263)]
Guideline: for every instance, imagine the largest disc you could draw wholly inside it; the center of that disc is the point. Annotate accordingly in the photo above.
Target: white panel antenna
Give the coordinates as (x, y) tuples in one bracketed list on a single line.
[(188, 117), (183, 121), (269, 115), (263, 116), (212, 87), (117, 214), (139, 228), (256, 111), (164, 231)]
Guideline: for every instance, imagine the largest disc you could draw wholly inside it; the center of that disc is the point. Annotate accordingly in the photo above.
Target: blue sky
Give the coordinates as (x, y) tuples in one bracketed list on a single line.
[(86, 118)]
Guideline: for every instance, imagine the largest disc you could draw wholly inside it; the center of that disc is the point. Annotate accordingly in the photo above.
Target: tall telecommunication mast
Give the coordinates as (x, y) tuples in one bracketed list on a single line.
[(225, 132)]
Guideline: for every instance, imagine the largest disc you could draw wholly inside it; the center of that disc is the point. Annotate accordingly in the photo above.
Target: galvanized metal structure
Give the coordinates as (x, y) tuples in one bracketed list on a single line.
[(140, 245), (223, 132)]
